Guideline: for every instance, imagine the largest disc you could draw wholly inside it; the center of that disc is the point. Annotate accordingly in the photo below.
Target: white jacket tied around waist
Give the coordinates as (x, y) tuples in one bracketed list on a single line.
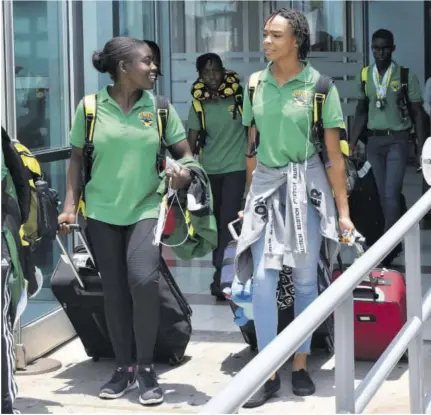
[(286, 238)]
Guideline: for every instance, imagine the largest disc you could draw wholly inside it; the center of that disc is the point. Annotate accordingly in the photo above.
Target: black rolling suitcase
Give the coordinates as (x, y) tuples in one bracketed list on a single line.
[(78, 287), (323, 337)]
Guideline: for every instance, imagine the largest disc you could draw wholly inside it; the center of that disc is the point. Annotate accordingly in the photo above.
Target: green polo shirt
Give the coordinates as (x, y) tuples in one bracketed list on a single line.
[(283, 116), (226, 141), (389, 117), (124, 179)]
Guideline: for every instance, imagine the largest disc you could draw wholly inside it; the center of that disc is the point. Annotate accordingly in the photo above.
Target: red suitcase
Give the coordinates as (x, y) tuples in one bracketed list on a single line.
[(379, 308)]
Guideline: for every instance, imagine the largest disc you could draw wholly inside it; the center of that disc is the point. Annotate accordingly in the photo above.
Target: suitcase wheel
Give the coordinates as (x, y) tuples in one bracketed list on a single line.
[(95, 358)]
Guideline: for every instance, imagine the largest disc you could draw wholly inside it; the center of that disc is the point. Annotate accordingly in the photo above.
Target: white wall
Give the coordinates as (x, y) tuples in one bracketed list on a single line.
[(405, 19)]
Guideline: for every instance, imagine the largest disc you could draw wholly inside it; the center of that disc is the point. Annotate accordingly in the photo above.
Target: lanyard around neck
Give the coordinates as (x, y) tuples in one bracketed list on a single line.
[(382, 87)]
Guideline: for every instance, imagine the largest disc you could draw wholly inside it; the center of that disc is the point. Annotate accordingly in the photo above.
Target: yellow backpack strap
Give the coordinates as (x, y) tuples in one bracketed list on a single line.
[(199, 110), (197, 106), (162, 112), (364, 78), (90, 116), (90, 112)]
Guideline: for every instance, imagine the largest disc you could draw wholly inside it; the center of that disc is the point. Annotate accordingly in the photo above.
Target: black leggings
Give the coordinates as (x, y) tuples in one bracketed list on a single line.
[(129, 265), (228, 191)]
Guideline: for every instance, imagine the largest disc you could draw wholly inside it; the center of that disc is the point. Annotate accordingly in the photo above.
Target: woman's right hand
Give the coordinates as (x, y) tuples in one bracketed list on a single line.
[(64, 220)]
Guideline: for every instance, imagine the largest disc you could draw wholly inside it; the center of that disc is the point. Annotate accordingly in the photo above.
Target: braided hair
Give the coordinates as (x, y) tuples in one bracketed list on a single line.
[(300, 28)]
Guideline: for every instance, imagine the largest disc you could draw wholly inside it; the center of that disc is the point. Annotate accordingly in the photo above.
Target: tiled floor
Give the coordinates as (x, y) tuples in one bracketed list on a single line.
[(217, 352)]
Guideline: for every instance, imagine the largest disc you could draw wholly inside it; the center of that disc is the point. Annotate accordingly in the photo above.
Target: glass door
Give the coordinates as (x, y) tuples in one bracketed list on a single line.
[(41, 68)]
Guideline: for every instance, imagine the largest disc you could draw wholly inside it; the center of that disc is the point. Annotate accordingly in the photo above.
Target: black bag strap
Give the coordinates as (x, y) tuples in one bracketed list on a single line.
[(90, 112), (162, 112), (253, 84), (404, 81), (323, 85), (238, 103)]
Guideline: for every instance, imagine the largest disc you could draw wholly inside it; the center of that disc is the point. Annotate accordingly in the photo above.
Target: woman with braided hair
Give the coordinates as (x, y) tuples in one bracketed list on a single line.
[(216, 133), (290, 205)]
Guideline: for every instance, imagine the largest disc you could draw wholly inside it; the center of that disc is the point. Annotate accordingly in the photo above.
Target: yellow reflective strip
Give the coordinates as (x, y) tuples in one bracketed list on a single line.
[(189, 224)]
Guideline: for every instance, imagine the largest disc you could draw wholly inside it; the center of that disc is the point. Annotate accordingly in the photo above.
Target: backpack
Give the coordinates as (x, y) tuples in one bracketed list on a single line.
[(38, 203), (323, 86), (90, 114), (199, 110)]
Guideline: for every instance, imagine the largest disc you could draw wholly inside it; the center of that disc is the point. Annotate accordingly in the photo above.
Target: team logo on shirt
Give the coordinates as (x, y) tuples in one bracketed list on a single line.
[(146, 118), (301, 97), (395, 86)]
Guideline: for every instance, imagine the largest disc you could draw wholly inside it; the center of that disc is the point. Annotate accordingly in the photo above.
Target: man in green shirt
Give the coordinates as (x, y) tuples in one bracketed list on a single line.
[(385, 116)]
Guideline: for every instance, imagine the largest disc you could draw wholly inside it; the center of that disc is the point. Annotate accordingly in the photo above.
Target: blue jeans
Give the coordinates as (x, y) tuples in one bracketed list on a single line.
[(388, 157), (265, 283)]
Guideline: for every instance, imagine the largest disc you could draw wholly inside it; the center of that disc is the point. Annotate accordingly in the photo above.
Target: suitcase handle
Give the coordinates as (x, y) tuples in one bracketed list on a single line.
[(74, 227), (69, 258), (368, 294)]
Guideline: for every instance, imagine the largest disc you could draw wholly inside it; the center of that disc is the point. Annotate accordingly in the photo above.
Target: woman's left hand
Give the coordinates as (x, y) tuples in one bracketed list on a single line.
[(180, 178)]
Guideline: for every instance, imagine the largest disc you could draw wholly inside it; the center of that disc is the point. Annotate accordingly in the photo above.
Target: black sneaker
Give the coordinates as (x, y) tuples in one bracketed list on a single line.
[(122, 381), (264, 393), (302, 385), (150, 393)]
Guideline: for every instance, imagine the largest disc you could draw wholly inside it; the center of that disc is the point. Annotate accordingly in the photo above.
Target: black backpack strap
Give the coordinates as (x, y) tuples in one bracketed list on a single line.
[(323, 86), (404, 102), (404, 81), (162, 113), (90, 112)]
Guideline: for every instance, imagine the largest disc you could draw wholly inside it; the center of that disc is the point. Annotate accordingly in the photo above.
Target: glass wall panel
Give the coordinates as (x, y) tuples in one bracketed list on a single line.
[(40, 73), (136, 19)]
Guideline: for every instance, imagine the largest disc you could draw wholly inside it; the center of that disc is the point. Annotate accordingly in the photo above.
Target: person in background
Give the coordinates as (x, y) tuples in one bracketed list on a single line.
[(122, 207), (221, 144), (387, 117), (283, 222)]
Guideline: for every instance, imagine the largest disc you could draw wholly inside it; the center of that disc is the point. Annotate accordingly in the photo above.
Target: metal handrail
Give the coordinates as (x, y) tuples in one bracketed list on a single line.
[(338, 298)]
